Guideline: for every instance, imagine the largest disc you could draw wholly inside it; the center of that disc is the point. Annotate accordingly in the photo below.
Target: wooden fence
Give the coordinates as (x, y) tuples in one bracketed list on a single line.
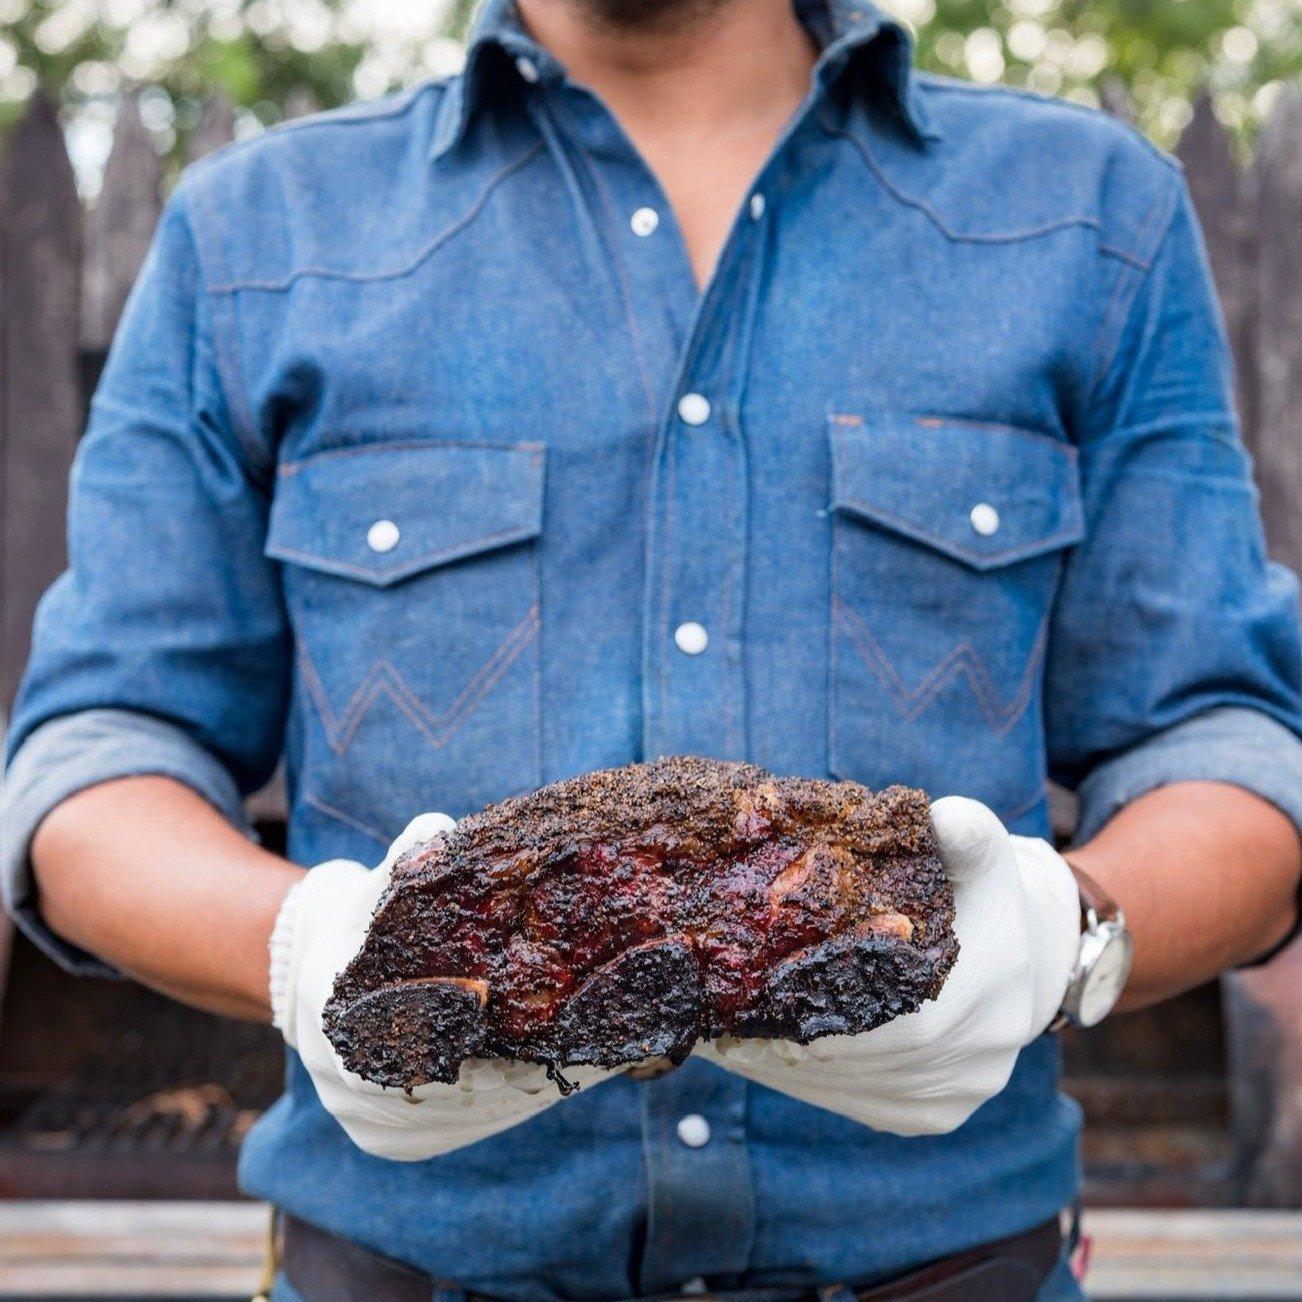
[(65, 273)]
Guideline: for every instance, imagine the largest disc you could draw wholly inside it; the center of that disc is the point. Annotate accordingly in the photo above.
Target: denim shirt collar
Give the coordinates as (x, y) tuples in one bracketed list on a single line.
[(841, 27)]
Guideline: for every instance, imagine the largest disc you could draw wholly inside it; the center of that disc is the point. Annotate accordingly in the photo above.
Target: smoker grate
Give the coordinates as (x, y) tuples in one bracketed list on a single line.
[(141, 1124)]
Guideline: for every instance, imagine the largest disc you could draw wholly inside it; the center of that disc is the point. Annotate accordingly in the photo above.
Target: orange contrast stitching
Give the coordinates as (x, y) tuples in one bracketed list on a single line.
[(384, 680), (963, 658)]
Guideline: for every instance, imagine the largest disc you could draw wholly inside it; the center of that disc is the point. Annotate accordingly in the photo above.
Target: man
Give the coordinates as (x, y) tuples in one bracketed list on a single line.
[(686, 376)]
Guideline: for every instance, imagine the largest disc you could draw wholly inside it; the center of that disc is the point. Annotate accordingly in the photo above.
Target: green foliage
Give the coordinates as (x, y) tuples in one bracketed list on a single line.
[(259, 53), (1160, 52), (266, 54)]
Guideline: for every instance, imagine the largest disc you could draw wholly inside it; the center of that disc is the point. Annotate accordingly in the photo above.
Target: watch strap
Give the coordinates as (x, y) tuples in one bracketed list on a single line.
[(1096, 906), (1093, 898)]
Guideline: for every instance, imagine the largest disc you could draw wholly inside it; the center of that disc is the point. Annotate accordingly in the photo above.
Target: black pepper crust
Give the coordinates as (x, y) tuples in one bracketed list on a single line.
[(625, 914)]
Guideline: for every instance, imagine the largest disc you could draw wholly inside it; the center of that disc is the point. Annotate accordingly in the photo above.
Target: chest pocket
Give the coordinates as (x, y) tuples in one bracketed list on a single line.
[(411, 580), (947, 544)]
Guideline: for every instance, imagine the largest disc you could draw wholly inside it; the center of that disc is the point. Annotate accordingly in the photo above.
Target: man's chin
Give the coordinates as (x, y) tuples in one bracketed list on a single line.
[(648, 15)]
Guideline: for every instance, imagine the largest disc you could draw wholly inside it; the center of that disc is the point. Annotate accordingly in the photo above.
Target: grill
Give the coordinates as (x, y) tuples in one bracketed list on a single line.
[(110, 1091), (154, 1105)]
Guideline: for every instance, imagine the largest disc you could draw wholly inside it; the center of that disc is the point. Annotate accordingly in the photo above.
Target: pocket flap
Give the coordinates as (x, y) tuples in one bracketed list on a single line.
[(381, 513), (987, 495)]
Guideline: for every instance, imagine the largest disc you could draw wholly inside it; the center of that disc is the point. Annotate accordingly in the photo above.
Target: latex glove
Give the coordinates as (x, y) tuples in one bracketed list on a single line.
[(320, 927), (1017, 916)]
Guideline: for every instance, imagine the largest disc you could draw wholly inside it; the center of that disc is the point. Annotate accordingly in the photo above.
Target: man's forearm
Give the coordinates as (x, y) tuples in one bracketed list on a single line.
[(1207, 874), (145, 874)]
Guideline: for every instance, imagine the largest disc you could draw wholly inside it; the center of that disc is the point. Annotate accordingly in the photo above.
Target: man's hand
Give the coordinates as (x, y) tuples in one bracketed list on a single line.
[(1018, 924), (320, 927)]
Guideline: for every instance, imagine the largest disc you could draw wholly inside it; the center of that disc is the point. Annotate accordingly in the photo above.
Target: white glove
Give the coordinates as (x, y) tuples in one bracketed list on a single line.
[(1017, 916), (320, 927)]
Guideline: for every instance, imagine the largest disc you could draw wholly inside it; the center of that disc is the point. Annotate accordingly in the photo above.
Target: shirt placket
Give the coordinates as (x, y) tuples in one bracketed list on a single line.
[(693, 683), (694, 697), (692, 350), (700, 1225), (700, 1200)]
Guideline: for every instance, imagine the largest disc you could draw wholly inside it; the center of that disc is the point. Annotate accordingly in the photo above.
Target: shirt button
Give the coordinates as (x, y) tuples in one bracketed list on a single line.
[(693, 409), (383, 536), (527, 68), (694, 1285), (694, 1130), (756, 207), (984, 519), (644, 221), (691, 639)]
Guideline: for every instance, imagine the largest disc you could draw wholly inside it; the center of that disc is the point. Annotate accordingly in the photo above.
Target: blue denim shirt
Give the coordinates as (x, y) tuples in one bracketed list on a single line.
[(415, 457)]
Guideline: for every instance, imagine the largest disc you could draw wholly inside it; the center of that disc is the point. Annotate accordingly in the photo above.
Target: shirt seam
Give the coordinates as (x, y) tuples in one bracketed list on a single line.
[(350, 115), (941, 543), (228, 355), (985, 237), (287, 468), (232, 285), (939, 84), (1125, 293), (384, 577)]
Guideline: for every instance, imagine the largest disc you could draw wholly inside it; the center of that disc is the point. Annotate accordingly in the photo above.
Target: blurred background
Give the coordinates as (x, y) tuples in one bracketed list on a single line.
[(269, 54), (1193, 1142)]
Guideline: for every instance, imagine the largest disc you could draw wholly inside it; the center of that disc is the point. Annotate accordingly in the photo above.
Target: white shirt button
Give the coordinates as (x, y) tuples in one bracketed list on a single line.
[(383, 536), (693, 409), (527, 68), (756, 207), (694, 1130), (644, 221), (691, 639), (694, 1286), (985, 519)]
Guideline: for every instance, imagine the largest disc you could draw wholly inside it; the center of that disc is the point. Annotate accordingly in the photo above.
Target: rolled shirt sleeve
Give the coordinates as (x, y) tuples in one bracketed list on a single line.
[(164, 646), (69, 754), (1242, 747), (1174, 649)]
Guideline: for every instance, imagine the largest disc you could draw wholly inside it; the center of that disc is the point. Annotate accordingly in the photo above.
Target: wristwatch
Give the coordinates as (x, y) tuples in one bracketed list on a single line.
[(1103, 961)]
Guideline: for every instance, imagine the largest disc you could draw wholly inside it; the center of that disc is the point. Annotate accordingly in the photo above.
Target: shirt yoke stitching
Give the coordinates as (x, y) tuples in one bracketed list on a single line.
[(348, 116), (932, 83), (968, 237), (233, 286), (229, 356), (1120, 301)]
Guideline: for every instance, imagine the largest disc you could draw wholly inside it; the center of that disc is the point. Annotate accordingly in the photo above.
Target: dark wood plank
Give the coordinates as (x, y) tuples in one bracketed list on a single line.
[(119, 227), (6, 923), (216, 127), (129, 1249), (1264, 1032), (4, 414), (1263, 1013), (1278, 184), (1222, 196), (1115, 99), (42, 257), (1173, 1256), (216, 1250), (300, 102)]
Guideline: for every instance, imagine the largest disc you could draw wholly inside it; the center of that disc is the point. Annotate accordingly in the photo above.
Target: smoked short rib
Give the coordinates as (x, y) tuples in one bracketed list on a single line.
[(626, 914)]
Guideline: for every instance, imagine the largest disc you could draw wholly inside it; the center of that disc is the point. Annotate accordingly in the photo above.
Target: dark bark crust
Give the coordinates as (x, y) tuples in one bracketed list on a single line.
[(625, 914)]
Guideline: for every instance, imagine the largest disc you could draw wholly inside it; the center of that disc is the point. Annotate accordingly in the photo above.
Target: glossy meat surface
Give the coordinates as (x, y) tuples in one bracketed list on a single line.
[(625, 914)]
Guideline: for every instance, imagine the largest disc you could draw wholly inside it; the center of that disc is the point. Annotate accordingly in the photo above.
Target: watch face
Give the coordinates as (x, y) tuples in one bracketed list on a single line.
[(1103, 983)]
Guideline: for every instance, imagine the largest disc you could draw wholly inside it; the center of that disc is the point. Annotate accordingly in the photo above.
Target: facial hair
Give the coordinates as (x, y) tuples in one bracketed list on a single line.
[(658, 16)]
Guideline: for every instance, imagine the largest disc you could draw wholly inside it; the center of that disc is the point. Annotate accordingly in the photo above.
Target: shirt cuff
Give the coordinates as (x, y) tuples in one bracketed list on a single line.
[(69, 754), (1243, 747)]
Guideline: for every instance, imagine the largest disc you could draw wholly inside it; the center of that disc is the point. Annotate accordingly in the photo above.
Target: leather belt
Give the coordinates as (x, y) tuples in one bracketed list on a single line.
[(323, 1267)]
